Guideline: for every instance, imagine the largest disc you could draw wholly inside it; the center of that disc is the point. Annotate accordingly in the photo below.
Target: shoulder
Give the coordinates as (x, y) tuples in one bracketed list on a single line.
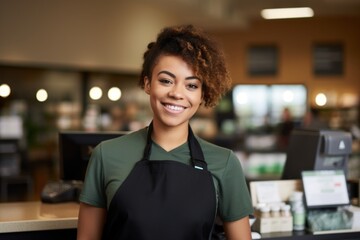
[(211, 150), (218, 158), (128, 141), (126, 145)]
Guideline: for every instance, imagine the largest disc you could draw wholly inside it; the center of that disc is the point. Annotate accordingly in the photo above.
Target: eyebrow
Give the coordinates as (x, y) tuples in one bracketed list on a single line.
[(174, 76)]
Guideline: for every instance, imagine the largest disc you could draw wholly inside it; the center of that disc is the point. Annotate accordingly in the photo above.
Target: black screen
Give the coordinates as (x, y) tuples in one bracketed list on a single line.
[(75, 151)]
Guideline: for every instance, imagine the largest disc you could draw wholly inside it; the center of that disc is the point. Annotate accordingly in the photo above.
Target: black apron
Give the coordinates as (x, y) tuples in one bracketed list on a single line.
[(164, 199)]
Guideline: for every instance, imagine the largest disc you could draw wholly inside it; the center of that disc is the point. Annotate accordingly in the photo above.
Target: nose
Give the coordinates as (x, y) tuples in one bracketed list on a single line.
[(176, 92)]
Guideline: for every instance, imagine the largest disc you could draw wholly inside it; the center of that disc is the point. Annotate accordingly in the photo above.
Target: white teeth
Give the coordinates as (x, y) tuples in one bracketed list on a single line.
[(174, 108)]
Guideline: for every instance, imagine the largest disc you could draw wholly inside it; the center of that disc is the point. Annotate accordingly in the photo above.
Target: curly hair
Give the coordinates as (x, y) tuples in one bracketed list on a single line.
[(198, 51)]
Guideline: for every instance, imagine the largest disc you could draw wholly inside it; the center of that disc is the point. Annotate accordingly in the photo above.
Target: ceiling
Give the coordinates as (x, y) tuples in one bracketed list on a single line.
[(238, 13)]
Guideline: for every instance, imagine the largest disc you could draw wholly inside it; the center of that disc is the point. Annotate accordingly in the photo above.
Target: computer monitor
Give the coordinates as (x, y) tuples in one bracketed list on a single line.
[(75, 149)]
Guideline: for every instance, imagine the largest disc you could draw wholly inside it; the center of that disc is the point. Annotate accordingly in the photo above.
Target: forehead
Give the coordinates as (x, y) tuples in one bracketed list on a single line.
[(172, 63)]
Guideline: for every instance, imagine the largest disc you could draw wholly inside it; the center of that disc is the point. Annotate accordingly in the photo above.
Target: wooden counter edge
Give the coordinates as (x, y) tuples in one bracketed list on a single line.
[(38, 225)]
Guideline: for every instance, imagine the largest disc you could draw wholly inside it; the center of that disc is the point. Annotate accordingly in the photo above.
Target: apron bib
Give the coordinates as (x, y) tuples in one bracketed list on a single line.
[(164, 199)]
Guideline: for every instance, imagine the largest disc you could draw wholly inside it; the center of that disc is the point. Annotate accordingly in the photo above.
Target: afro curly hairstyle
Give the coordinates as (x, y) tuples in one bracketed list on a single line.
[(198, 51)]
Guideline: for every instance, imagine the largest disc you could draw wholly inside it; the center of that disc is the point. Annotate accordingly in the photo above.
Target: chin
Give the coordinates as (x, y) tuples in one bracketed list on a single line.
[(173, 123)]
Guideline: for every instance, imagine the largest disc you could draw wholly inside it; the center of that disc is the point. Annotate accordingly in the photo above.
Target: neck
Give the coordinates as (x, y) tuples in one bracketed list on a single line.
[(170, 137)]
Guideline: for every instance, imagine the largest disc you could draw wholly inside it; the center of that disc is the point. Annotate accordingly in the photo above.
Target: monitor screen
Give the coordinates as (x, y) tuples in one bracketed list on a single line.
[(75, 150), (325, 188)]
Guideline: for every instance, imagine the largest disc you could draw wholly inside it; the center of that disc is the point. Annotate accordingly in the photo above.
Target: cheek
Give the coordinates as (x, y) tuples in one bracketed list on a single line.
[(200, 96), (156, 93), (197, 99), (156, 96), (153, 103)]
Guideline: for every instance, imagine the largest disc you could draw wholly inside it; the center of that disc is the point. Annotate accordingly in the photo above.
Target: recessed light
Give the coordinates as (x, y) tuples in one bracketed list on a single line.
[(282, 13)]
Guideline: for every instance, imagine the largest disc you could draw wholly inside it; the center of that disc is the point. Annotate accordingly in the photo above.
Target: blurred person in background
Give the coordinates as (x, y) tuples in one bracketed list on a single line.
[(312, 120), (285, 128)]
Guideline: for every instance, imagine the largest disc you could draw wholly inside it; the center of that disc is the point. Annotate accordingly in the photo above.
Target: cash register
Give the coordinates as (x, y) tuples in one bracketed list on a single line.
[(320, 159), (310, 149)]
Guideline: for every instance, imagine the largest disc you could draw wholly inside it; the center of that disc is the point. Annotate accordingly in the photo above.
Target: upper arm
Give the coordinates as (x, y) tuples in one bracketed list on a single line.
[(234, 196), (238, 230), (93, 190), (91, 222)]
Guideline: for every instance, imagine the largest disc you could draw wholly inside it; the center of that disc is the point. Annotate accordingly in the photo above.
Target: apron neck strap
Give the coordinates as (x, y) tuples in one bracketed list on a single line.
[(196, 153)]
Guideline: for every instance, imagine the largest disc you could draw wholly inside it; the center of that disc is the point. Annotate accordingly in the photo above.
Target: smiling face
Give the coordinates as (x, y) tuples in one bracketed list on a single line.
[(175, 92)]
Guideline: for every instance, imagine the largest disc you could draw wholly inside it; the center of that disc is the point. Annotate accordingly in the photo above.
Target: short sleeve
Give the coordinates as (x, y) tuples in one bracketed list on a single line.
[(234, 200), (93, 192)]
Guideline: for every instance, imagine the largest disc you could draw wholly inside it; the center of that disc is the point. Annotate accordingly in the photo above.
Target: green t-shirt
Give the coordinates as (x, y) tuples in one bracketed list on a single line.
[(112, 161)]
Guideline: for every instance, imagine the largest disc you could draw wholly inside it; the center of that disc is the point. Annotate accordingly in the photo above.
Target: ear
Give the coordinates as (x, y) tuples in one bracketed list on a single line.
[(147, 85)]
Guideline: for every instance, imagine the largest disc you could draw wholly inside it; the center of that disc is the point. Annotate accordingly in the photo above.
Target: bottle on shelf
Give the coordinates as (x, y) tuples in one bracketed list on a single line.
[(298, 210)]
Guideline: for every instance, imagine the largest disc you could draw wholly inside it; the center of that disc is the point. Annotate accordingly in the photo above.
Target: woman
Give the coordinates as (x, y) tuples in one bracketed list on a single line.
[(162, 182)]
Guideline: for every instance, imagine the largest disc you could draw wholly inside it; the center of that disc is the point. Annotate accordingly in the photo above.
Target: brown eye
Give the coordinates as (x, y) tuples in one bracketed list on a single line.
[(193, 86), (165, 81)]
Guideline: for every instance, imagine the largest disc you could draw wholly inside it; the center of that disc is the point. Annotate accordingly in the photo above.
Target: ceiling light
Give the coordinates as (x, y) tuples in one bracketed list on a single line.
[(95, 93), (5, 90), (320, 99), (114, 93), (41, 95), (281, 13)]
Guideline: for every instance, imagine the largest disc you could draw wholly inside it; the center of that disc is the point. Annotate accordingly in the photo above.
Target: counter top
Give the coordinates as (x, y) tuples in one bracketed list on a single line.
[(37, 216), (37, 220)]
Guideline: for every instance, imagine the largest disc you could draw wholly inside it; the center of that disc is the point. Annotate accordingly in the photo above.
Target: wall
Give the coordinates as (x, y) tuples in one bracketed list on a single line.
[(294, 39), (83, 33)]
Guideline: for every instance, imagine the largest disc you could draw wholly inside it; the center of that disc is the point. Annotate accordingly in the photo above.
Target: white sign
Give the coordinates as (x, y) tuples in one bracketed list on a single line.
[(267, 192)]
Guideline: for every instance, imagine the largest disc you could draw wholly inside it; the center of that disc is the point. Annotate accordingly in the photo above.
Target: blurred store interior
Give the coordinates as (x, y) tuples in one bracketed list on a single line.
[(74, 66)]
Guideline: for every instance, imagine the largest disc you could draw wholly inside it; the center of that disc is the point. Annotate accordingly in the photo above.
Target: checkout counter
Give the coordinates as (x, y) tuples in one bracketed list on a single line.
[(329, 150), (285, 189), (309, 236), (316, 166), (38, 221)]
